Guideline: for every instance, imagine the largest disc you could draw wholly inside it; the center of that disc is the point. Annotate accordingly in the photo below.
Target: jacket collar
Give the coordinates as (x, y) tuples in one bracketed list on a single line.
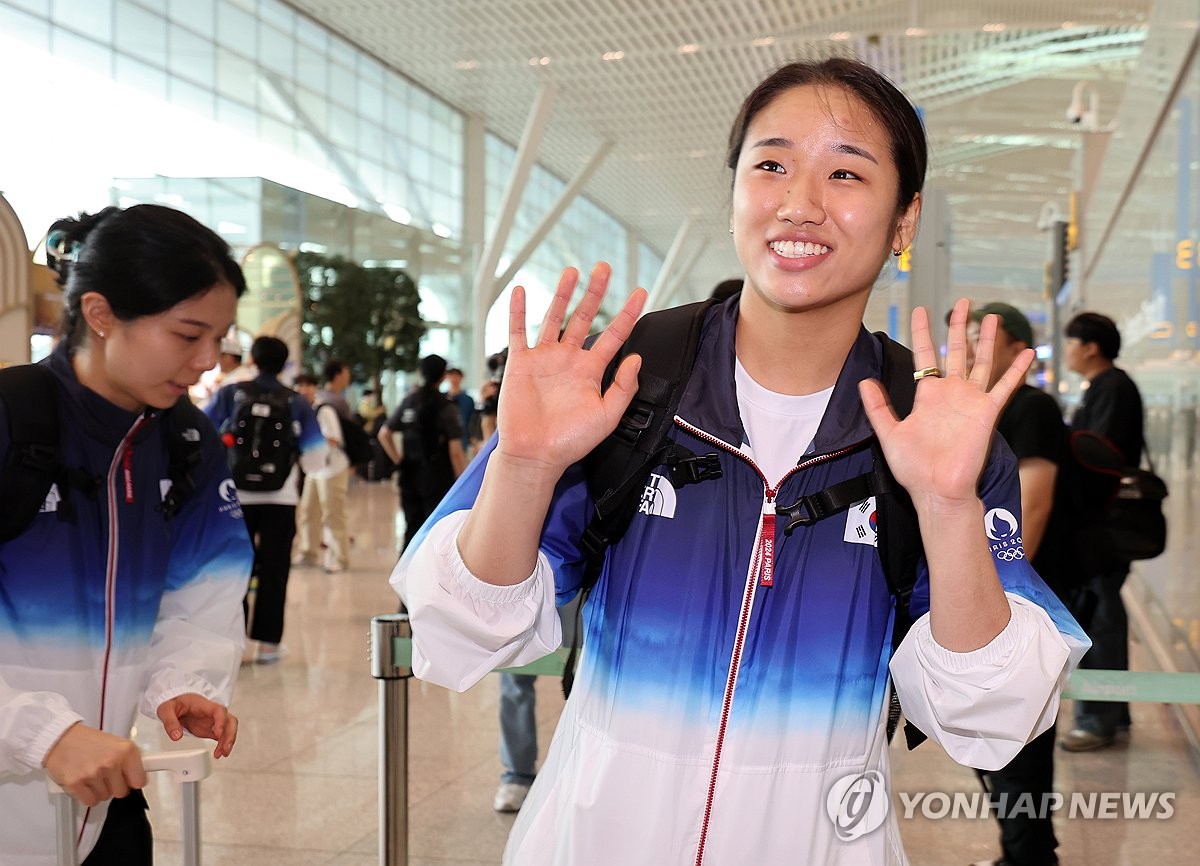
[(100, 419), (710, 399)]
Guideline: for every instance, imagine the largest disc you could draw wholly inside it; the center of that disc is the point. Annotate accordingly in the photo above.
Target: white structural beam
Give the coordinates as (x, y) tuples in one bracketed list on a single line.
[(551, 219), (527, 151), (1182, 76), (368, 199), (467, 344), (668, 265), (668, 297), (633, 257)]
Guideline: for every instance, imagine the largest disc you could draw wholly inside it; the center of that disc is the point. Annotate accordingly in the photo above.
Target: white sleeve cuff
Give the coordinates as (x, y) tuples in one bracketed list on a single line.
[(983, 706), (171, 683), (30, 724), (463, 627)]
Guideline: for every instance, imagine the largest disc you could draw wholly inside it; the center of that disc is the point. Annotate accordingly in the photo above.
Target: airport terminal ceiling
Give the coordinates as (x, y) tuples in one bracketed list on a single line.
[(663, 81)]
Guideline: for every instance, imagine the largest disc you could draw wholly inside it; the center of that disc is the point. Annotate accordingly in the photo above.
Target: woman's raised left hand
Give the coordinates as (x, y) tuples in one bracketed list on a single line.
[(939, 450)]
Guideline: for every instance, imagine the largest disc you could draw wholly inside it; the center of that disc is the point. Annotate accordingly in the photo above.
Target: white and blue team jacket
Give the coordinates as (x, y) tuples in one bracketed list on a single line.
[(116, 610), (713, 716)]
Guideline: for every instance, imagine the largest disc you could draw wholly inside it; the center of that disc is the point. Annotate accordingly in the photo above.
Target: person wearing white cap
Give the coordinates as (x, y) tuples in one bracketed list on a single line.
[(229, 369)]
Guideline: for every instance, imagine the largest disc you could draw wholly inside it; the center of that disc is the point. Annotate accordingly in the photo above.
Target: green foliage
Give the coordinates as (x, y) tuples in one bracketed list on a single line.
[(367, 317)]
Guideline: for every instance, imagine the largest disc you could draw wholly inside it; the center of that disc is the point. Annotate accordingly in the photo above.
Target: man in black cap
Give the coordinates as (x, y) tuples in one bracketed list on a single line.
[(430, 451), (1032, 425)]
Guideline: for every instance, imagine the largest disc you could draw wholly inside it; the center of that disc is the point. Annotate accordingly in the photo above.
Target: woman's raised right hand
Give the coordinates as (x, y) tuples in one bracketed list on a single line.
[(551, 411)]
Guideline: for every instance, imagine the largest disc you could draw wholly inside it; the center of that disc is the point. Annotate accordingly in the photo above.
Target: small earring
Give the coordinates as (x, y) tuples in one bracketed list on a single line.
[(897, 253), (731, 229), (100, 334)]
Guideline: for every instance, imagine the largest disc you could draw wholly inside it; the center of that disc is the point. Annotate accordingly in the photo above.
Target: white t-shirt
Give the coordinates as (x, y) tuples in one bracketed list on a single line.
[(331, 428), (780, 427)]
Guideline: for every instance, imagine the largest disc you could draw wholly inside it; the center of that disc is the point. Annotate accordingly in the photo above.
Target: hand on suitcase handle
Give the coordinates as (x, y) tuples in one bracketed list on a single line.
[(184, 765), (94, 765)]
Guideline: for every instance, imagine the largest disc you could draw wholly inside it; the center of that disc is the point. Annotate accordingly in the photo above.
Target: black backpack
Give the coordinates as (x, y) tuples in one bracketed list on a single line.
[(425, 443), (356, 441), (618, 468), (261, 436), (34, 460)]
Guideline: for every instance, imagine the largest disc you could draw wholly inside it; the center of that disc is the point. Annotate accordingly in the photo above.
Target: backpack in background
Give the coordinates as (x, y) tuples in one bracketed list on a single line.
[(262, 439), (356, 441), (1123, 505), (426, 466)]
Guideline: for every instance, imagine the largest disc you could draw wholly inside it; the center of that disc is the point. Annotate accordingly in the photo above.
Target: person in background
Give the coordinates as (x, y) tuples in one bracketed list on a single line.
[(271, 514), (728, 684), (1112, 407), (306, 385), (1032, 425), (228, 362), (371, 412), (323, 502), (464, 402), (430, 453), (489, 394), (124, 592)]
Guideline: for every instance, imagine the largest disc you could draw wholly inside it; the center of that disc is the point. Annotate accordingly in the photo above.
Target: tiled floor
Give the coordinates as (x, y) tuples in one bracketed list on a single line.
[(301, 786)]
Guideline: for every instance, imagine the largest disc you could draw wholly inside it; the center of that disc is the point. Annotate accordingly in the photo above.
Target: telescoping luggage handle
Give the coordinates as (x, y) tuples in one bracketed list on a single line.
[(188, 767)]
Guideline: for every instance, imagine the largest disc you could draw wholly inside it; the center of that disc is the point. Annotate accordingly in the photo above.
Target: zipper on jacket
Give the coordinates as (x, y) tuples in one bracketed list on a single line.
[(760, 573), (122, 458)]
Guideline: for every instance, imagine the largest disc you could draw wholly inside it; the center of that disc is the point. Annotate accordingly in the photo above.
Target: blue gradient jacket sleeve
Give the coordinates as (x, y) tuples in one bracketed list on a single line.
[(1000, 490), (313, 447), (199, 635), (569, 511), (463, 627), (983, 706)]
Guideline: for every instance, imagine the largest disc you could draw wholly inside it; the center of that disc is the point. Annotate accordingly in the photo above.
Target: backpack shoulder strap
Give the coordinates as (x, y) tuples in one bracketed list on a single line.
[(617, 469), (184, 424), (34, 459), (899, 537)]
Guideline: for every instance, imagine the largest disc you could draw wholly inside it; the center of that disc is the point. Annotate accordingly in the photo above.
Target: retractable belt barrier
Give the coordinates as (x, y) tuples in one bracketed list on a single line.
[(391, 654)]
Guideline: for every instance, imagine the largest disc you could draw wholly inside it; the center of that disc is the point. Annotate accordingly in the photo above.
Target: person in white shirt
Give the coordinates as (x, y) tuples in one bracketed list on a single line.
[(323, 502)]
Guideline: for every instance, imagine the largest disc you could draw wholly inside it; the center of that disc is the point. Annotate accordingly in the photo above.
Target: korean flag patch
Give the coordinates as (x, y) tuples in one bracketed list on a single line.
[(861, 523)]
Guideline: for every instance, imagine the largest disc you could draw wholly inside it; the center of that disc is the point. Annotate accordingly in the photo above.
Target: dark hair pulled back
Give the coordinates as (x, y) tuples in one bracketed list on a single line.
[(873, 89), (143, 260)]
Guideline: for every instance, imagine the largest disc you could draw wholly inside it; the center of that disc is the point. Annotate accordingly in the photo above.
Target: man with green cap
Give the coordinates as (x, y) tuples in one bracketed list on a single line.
[(1032, 425)]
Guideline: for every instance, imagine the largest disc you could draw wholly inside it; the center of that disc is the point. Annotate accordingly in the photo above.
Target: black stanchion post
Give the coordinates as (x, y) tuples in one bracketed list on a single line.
[(393, 736)]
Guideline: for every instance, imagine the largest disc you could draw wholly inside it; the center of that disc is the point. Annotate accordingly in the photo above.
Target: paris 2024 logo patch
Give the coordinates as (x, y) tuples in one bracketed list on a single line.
[(1004, 535)]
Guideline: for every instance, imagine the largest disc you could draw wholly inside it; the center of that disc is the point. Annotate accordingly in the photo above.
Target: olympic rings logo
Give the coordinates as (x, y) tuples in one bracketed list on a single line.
[(1010, 554)]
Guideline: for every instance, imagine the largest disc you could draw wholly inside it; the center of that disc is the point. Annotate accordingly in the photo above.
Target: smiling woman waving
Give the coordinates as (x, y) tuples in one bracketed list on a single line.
[(735, 680)]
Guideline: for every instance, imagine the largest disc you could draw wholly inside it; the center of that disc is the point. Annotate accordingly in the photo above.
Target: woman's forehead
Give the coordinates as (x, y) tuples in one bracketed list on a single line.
[(820, 106)]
